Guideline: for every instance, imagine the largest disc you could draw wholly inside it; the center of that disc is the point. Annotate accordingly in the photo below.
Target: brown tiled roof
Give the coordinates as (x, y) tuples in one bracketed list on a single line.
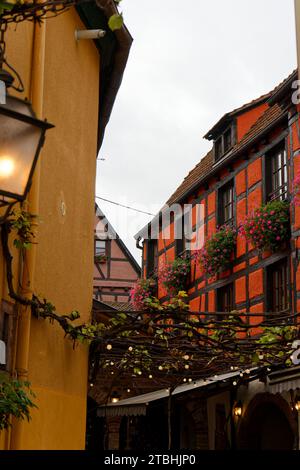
[(281, 88), (201, 170), (228, 116), (119, 306), (205, 166), (270, 116), (261, 99)]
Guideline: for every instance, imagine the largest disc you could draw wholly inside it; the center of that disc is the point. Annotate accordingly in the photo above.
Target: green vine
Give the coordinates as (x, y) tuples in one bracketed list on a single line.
[(15, 400), (166, 338)]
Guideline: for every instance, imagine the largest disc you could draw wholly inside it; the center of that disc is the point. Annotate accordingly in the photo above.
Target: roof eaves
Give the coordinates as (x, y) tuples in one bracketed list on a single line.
[(228, 116), (283, 88), (234, 154), (113, 49), (119, 241)]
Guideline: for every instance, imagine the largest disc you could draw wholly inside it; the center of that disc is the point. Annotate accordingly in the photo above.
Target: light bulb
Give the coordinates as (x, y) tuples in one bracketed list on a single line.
[(109, 347), (7, 166)]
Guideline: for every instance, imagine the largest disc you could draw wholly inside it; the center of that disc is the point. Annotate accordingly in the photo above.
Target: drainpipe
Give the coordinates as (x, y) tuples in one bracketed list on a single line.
[(297, 20), (32, 205)]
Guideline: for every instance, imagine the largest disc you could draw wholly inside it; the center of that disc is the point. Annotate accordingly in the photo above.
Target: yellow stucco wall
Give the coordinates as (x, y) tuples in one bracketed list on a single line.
[(64, 260)]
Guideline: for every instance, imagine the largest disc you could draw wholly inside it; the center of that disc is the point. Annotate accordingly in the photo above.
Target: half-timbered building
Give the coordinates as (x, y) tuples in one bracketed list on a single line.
[(254, 159), (115, 269)]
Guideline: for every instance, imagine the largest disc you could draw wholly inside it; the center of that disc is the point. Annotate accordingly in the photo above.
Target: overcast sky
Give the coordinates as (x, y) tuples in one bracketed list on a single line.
[(191, 62)]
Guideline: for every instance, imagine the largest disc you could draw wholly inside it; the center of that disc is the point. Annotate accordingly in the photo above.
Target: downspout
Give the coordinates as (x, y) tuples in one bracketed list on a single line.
[(297, 21), (32, 205)]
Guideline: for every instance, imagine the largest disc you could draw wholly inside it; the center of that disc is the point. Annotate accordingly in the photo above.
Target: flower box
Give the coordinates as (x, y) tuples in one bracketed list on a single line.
[(216, 255), (101, 259), (268, 227), (173, 276)]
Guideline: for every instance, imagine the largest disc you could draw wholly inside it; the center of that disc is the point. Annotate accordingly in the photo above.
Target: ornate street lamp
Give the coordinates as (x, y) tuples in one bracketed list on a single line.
[(21, 139)]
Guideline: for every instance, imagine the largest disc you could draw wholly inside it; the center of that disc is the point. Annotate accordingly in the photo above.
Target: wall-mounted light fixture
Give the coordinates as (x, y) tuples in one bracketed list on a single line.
[(21, 139), (89, 34), (237, 409), (115, 397), (297, 403)]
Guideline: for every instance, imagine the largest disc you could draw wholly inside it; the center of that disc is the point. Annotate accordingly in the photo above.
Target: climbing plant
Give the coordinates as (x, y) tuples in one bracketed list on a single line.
[(15, 400), (165, 340)]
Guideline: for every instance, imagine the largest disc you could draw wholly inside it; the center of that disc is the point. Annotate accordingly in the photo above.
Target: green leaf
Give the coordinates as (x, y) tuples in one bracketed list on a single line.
[(115, 22), (255, 358), (6, 6)]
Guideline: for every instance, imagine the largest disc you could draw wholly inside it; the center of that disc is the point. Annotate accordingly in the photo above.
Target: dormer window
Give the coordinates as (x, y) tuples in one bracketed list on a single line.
[(224, 143), (218, 148), (227, 140)]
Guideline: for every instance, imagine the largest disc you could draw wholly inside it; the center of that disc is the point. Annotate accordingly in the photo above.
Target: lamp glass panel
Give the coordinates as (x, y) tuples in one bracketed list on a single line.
[(18, 144)]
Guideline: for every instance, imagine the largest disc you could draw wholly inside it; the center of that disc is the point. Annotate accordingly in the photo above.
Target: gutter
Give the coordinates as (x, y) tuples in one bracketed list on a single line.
[(113, 50), (124, 40), (281, 92)]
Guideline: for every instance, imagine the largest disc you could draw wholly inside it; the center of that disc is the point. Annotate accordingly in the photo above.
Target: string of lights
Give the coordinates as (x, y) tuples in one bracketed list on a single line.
[(171, 346)]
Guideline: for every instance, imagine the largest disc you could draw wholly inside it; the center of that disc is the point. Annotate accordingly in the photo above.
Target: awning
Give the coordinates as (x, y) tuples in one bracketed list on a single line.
[(284, 380), (117, 410), (136, 406)]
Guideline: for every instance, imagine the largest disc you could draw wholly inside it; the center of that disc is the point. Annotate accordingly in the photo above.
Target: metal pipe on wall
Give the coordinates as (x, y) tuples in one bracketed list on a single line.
[(32, 205)]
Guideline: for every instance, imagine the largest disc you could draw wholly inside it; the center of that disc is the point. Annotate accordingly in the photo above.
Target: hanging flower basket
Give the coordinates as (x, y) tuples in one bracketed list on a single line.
[(173, 276), (268, 227), (142, 290), (215, 256), (100, 259)]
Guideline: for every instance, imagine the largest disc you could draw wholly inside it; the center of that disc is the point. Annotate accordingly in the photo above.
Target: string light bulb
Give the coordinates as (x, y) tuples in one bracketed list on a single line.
[(109, 347)]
